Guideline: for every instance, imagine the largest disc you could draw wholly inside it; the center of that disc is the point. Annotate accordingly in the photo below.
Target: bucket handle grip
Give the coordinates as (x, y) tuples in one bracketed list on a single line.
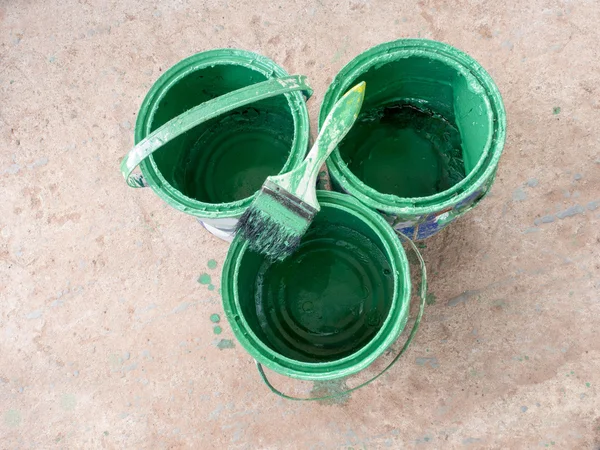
[(413, 332), (203, 112)]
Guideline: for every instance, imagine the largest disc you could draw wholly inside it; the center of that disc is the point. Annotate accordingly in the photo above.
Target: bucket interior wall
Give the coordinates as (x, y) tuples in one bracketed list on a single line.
[(434, 118), (226, 158), (328, 299)]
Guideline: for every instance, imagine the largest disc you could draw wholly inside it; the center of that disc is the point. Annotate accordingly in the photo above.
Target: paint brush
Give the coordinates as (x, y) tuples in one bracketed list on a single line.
[(286, 205)]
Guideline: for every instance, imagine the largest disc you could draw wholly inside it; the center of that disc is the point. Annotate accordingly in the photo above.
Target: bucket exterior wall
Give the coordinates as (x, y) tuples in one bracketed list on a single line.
[(388, 332), (420, 218), (218, 218)]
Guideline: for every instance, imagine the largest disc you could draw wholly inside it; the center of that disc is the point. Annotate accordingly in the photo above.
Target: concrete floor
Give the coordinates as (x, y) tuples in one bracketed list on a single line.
[(105, 334)]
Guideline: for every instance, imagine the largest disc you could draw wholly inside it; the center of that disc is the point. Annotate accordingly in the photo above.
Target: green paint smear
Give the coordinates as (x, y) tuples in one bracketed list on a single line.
[(336, 388), (204, 279), (212, 264), (214, 318), (325, 301), (211, 287), (403, 150), (217, 330), (431, 298), (225, 344), (556, 110), (12, 418)]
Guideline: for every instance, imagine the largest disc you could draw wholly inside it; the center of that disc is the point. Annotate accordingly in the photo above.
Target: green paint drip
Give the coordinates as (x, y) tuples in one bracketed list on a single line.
[(214, 318), (211, 287), (403, 150), (217, 330), (212, 264), (336, 388), (224, 344), (556, 110), (204, 279)]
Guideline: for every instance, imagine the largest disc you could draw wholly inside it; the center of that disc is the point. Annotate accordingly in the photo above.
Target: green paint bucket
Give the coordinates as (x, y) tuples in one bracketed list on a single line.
[(213, 170), (426, 146), (330, 309)]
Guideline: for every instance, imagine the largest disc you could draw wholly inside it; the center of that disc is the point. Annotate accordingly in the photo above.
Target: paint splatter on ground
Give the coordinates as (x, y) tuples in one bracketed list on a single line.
[(215, 318), (428, 361), (217, 330), (204, 279), (334, 388), (519, 195), (225, 344), (431, 298), (556, 110), (212, 264), (211, 287)]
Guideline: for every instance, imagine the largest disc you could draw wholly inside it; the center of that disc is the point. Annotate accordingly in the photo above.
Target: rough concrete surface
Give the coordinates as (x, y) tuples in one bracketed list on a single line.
[(106, 338)]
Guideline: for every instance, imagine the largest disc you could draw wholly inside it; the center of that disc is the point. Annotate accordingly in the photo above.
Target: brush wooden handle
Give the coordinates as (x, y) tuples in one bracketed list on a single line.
[(301, 181)]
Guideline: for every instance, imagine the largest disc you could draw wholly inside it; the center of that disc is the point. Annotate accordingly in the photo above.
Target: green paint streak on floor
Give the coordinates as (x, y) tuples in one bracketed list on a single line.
[(204, 279), (212, 264)]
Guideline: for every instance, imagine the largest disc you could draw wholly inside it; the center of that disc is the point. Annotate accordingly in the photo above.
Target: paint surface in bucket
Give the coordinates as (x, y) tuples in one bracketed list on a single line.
[(225, 159), (327, 299), (231, 160), (404, 150)]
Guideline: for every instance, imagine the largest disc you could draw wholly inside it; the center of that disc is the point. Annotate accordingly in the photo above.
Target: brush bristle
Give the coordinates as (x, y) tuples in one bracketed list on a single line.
[(275, 222)]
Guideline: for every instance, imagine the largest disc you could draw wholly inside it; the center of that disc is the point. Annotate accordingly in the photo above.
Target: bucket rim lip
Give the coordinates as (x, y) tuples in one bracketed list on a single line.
[(388, 333), (201, 60), (484, 168)]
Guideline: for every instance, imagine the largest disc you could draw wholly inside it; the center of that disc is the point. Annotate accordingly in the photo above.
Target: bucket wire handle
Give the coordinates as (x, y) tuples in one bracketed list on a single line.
[(413, 332), (203, 112)]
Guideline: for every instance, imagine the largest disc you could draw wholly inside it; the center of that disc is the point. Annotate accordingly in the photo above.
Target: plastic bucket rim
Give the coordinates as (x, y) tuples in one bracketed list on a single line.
[(404, 53), (223, 56), (388, 333), (485, 167)]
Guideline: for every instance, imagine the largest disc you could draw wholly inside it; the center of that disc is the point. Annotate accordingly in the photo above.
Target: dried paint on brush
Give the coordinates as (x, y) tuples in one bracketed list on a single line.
[(286, 205)]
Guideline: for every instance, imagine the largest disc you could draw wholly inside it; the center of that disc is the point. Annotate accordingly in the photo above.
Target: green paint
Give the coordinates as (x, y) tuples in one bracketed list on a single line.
[(212, 264), (224, 344), (212, 170), (588, 384), (334, 289), (217, 330), (68, 402), (204, 279), (211, 287), (431, 298), (215, 318), (106, 433), (328, 300), (556, 110), (431, 116), (12, 418), (403, 150), (230, 160)]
